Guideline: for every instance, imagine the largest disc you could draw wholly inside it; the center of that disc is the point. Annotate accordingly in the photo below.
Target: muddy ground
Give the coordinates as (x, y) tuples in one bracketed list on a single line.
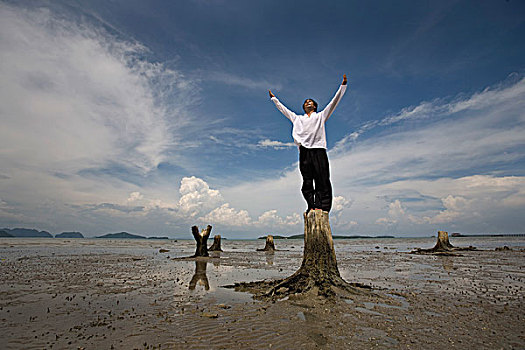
[(94, 294)]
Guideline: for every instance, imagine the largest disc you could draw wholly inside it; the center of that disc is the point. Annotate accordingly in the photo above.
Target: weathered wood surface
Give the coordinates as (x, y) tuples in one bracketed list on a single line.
[(216, 246), (201, 238), (269, 246)]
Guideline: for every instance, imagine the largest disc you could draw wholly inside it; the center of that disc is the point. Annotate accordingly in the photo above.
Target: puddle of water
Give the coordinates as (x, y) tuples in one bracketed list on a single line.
[(367, 311), (404, 303), (370, 306), (300, 315), (373, 334)]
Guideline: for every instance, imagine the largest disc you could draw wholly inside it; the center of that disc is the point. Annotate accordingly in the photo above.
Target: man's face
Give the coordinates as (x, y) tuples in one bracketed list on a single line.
[(309, 105)]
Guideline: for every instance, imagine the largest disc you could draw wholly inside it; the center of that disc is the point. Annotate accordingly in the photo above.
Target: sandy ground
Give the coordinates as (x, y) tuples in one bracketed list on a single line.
[(93, 294)]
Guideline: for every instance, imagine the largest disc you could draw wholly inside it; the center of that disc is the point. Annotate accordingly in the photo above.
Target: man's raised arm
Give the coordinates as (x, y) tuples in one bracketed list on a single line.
[(282, 108), (329, 109)]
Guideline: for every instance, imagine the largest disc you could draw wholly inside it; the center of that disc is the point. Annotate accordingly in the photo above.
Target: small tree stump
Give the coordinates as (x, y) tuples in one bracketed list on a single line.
[(442, 247), (216, 246), (318, 272), (200, 275), (270, 246), (201, 238)]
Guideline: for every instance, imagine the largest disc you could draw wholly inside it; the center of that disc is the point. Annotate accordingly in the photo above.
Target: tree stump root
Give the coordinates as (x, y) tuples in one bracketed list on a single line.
[(318, 273), (302, 285), (443, 247)]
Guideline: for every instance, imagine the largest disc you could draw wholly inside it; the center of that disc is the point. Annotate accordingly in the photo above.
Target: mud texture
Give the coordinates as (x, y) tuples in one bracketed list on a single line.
[(103, 294)]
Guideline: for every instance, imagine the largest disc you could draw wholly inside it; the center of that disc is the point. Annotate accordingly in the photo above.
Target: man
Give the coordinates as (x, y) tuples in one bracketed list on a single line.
[(309, 134)]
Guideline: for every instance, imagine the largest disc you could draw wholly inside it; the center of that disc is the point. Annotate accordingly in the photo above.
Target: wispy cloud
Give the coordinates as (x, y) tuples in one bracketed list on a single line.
[(490, 98), (267, 143), (81, 97)]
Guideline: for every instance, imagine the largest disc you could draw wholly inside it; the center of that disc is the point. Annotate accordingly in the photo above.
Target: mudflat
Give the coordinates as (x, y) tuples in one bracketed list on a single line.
[(126, 294)]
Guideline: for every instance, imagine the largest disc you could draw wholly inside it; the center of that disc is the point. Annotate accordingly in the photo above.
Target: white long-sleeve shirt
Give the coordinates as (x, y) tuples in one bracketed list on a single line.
[(309, 131)]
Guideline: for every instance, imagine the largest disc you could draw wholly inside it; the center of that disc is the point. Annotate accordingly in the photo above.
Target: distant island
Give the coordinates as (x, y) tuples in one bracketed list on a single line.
[(5, 234), (301, 236), (127, 235), (457, 234), (121, 235), (69, 235), (32, 233), (26, 232)]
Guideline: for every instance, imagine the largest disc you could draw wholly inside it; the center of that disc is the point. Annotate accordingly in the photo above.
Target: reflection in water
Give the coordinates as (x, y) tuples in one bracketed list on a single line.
[(217, 261), (448, 263), (200, 275), (269, 257)]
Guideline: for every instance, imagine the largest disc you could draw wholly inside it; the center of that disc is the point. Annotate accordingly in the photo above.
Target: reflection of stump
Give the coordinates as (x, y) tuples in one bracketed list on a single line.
[(270, 246), (201, 238), (442, 247), (216, 246), (200, 275), (269, 257), (318, 272)]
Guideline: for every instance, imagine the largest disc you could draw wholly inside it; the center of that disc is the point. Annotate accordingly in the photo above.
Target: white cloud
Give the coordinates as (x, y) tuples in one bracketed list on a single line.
[(224, 215), (270, 219), (396, 212), (275, 144), (340, 203), (198, 204), (78, 97), (455, 207), (197, 197), (135, 196)]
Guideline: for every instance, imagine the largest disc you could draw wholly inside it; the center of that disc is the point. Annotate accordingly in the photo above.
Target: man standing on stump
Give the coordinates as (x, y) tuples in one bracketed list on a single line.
[(310, 136)]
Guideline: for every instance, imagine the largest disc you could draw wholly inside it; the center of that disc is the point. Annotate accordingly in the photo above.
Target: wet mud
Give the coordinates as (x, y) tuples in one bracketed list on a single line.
[(91, 294)]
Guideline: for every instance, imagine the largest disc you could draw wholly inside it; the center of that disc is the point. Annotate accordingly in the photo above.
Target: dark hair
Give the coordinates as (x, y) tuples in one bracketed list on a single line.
[(310, 99)]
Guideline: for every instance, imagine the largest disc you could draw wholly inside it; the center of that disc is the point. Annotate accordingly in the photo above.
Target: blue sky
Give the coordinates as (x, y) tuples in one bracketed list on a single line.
[(152, 116)]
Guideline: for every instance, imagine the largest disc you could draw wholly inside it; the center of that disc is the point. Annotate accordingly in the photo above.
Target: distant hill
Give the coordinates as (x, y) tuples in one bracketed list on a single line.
[(27, 232), (274, 237), (69, 235), (342, 237), (4, 234), (121, 235), (157, 237)]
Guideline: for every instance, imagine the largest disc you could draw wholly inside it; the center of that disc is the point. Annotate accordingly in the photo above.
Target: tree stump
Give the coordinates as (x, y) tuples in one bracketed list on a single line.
[(442, 247), (318, 272), (216, 246), (270, 246), (201, 238), (200, 275)]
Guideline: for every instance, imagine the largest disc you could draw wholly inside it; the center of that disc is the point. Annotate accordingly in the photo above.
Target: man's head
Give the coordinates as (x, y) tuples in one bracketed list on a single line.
[(309, 105)]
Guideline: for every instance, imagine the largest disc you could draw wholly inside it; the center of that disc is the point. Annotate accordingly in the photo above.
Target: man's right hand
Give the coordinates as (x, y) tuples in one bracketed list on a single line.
[(271, 94)]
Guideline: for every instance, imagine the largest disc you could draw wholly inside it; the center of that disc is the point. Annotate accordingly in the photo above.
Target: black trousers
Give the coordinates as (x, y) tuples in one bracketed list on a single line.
[(317, 189)]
